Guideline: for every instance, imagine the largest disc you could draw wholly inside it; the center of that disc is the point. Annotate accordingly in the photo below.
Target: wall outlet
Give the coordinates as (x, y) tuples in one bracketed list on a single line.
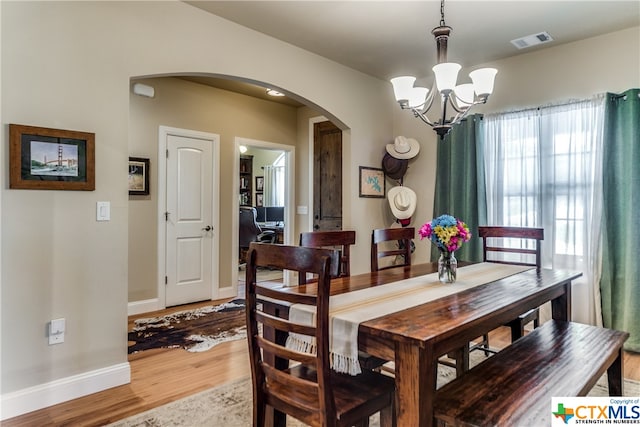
[(56, 331)]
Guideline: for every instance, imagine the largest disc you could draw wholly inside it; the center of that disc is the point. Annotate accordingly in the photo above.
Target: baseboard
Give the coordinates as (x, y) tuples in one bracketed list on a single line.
[(41, 396), (143, 306)]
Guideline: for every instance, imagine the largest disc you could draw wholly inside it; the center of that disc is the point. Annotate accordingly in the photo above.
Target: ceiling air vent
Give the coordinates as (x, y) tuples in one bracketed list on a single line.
[(532, 40)]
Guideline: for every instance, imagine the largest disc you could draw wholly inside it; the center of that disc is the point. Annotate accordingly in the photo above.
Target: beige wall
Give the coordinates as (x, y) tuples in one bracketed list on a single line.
[(57, 261)]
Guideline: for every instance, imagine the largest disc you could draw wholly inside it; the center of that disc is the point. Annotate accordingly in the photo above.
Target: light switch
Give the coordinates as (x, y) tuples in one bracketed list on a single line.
[(103, 211), (302, 210)]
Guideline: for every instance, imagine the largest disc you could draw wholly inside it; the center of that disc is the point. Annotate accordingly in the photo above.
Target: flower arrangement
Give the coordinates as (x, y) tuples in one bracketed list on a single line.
[(446, 232)]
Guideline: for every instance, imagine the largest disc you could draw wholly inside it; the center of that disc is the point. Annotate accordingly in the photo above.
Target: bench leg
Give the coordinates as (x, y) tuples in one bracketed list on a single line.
[(614, 376)]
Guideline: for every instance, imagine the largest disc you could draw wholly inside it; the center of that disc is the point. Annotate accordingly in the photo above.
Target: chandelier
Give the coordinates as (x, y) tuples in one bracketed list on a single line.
[(460, 98)]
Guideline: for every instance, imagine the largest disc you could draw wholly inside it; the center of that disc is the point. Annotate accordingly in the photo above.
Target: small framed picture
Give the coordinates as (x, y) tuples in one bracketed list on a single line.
[(372, 183), (138, 176), (259, 200), (259, 183), (51, 159)]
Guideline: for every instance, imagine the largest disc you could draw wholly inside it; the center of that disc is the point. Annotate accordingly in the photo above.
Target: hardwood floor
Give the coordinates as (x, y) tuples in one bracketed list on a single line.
[(164, 375)]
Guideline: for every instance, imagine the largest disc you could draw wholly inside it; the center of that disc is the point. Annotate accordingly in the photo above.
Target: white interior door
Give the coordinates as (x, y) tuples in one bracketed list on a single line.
[(190, 233)]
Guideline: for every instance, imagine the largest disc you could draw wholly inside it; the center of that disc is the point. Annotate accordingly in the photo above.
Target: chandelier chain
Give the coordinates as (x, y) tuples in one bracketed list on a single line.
[(442, 24)]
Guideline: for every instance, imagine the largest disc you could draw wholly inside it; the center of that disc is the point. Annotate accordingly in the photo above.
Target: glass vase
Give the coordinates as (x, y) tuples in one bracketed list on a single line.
[(447, 267)]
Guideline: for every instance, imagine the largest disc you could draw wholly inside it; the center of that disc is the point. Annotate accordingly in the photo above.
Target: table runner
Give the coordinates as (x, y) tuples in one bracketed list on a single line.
[(348, 310)]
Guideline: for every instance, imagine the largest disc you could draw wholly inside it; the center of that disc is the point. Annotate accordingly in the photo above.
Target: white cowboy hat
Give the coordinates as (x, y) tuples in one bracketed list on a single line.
[(403, 148), (402, 201)]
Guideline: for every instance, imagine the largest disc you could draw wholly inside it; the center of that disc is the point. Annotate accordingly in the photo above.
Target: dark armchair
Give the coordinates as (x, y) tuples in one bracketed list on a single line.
[(250, 231)]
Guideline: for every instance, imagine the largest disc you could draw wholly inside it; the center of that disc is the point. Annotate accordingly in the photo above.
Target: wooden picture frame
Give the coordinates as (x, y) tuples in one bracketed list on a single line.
[(51, 159), (259, 200), (138, 176), (371, 182), (259, 183)]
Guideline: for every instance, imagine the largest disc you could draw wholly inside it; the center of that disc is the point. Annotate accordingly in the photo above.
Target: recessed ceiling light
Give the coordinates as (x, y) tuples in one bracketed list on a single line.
[(274, 92), (532, 40)]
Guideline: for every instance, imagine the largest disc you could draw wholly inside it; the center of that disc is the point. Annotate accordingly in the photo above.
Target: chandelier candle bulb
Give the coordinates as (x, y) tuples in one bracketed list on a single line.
[(483, 81), (446, 75)]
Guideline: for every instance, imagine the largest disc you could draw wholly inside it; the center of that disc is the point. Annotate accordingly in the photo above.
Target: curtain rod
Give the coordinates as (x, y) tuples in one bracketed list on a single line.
[(559, 104)]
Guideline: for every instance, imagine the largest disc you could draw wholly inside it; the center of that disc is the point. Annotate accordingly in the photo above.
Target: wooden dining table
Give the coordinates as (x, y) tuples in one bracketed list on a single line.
[(415, 337)]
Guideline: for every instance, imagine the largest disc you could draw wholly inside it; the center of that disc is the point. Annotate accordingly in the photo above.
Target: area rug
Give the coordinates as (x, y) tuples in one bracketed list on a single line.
[(194, 330), (230, 405)]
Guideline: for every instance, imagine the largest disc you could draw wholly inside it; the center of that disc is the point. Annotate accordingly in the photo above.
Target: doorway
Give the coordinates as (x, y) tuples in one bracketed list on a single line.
[(284, 223), (188, 224), (327, 176)]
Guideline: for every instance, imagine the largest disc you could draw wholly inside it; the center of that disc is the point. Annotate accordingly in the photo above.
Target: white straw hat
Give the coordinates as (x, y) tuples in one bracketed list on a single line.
[(402, 201), (403, 148)]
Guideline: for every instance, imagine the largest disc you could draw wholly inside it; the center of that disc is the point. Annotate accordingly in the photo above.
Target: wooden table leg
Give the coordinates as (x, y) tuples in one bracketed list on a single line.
[(614, 376), (416, 373), (561, 306)]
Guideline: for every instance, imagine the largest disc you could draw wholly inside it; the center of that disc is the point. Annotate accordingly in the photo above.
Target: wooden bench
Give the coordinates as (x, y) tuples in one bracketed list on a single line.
[(514, 387)]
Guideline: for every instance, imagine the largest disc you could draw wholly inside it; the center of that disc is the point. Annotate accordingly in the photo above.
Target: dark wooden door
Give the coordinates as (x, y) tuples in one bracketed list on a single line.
[(327, 177)]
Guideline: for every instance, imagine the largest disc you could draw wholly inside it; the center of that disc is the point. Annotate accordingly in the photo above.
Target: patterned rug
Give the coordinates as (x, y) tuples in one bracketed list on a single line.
[(194, 330), (230, 405)]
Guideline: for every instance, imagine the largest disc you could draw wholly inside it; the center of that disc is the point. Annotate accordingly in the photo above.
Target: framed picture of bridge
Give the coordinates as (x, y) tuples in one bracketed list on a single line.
[(51, 159)]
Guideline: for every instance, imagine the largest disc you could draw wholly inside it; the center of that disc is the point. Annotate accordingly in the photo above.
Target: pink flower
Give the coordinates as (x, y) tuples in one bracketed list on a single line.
[(425, 231)]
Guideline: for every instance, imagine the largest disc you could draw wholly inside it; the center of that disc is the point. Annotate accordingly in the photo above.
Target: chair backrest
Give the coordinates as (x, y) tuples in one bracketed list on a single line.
[(271, 385), (248, 226), (529, 245), (332, 239), (403, 236)]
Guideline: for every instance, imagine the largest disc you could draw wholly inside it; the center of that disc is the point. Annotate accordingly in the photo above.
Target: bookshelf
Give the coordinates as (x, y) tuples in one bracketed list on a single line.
[(246, 178)]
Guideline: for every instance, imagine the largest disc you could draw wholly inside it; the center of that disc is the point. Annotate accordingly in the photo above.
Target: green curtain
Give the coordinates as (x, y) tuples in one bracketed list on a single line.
[(460, 183), (620, 282)]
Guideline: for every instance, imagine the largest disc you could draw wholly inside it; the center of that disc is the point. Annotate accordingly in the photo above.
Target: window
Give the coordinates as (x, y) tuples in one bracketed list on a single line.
[(274, 182), (543, 169)]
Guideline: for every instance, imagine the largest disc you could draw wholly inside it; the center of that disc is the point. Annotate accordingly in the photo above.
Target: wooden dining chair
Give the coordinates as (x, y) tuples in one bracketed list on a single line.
[(403, 236), (496, 248), (306, 389), (332, 239)]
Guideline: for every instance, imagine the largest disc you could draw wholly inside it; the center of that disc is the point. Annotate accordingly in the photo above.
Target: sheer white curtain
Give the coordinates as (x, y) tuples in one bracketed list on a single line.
[(274, 185), (544, 169)]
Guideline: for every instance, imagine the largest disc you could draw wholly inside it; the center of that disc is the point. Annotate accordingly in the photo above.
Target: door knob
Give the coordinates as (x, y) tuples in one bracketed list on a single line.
[(208, 228)]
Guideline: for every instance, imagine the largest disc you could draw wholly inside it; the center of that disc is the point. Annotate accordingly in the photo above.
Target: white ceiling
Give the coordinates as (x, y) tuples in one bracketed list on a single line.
[(389, 38)]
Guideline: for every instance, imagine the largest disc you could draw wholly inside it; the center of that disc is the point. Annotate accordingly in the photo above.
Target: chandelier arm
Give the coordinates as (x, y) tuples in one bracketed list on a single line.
[(428, 102), (454, 105), (422, 116), (460, 116)]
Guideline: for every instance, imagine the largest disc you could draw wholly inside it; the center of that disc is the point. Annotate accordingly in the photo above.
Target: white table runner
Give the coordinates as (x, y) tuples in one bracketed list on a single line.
[(348, 310)]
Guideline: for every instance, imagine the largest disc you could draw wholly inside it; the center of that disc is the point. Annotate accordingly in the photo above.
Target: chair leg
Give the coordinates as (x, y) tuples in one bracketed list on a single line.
[(387, 418), (517, 330), (461, 357), (485, 339)]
